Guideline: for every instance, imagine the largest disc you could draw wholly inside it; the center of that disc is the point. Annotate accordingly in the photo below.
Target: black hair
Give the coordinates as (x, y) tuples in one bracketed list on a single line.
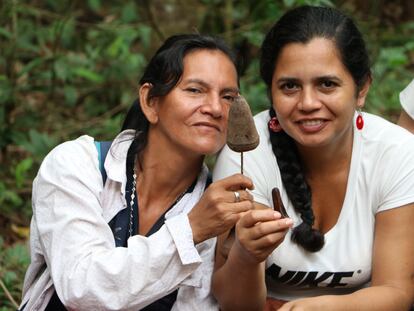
[(164, 71), (301, 25)]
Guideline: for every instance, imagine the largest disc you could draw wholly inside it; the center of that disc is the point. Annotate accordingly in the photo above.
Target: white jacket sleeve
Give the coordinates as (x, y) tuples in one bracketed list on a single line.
[(88, 271)]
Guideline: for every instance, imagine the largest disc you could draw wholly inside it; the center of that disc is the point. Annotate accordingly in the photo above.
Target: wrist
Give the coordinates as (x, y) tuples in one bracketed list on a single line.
[(197, 236), (242, 257)]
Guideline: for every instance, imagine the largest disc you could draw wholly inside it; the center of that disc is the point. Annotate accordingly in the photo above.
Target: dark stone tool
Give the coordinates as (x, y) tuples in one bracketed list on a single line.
[(242, 135)]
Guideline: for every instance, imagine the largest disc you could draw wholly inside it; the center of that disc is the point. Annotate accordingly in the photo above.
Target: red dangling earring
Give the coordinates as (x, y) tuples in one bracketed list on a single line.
[(274, 125), (359, 120)]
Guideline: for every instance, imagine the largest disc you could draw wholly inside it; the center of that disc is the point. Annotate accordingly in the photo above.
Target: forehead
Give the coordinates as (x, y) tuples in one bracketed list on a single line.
[(209, 65), (319, 57)]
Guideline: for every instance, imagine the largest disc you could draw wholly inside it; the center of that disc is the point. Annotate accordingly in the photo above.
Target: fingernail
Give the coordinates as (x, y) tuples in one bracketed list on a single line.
[(288, 221), (277, 215)]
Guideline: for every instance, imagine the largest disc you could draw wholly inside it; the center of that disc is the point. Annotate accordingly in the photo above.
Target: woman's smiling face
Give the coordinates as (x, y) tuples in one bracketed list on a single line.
[(313, 94), (193, 116)]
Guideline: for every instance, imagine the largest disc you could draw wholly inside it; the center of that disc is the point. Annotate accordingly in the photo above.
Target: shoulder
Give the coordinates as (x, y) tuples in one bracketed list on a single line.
[(407, 99), (73, 152), (261, 120), (383, 133), (387, 161), (386, 144), (263, 152), (70, 163), (70, 167)]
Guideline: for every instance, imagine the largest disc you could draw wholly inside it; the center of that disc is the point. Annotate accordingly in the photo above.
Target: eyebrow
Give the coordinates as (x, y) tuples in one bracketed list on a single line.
[(329, 77), (287, 79), (205, 84), (296, 80)]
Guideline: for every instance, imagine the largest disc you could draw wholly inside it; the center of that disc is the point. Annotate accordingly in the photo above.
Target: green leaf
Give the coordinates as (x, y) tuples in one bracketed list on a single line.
[(39, 144), (17, 255), (9, 277), (8, 196), (129, 12), (62, 69), (409, 45), (289, 3), (5, 33), (71, 95), (88, 75), (254, 37), (94, 5), (394, 56), (116, 47), (21, 171), (31, 65), (145, 35)]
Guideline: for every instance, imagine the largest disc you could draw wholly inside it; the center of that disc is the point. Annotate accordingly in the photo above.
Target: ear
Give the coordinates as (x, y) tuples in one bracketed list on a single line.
[(363, 92), (148, 106)]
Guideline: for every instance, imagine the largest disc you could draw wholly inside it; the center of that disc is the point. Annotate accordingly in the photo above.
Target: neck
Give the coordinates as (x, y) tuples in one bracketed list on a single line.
[(327, 160), (165, 174)]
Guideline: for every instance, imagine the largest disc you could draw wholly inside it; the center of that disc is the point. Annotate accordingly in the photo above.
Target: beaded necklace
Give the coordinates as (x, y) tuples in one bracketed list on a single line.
[(131, 203), (133, 195)]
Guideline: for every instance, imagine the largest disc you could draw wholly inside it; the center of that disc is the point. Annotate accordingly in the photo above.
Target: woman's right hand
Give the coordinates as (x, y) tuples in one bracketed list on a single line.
[(258, 233), (218, 210)]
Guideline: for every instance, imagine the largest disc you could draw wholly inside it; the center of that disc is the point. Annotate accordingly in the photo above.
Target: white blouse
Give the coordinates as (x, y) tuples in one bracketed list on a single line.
[(73, 249)]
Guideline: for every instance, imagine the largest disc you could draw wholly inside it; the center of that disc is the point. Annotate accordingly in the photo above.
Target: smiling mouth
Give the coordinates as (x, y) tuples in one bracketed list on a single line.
[(209, 125), (312, 126), (312, 122)]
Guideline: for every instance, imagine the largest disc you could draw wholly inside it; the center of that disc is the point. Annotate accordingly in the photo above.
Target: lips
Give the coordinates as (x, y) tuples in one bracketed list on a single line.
[(312, 122), (208, 124), (312, 125)]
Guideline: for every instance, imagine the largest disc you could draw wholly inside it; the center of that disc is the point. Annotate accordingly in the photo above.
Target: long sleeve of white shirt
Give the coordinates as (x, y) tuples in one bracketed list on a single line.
[(88, 271)]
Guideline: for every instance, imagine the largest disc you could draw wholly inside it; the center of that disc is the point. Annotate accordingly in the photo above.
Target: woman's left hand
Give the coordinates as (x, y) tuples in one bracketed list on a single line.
[(258, 233)]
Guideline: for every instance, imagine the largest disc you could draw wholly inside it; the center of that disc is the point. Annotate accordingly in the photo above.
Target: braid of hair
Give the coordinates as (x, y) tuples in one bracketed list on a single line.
[(297, 189)]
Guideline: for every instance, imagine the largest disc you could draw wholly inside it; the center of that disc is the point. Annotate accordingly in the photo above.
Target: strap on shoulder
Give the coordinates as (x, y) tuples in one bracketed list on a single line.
[(209, 179), (102, 147)]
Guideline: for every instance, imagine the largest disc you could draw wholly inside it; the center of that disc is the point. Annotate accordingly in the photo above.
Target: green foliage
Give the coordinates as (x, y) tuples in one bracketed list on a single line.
[(390, 69), (69, 68), (13, 263)]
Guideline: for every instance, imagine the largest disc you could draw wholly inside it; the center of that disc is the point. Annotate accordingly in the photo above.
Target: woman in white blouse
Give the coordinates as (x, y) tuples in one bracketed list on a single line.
[(142, 240)]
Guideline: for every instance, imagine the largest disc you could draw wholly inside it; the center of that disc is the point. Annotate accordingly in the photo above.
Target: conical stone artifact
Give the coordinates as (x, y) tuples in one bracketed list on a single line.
[(241, 132)]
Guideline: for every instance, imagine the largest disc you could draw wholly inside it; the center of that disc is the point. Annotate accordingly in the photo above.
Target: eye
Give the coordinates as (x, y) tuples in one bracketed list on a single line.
[(328, 84), (229, 97), (289, 87), (193, 90)]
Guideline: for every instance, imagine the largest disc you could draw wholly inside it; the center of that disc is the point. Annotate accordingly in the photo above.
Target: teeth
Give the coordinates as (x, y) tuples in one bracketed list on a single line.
[(312, 122)]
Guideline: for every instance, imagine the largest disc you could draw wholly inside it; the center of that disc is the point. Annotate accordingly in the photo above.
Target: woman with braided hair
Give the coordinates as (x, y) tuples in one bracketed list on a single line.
[(346, 181)]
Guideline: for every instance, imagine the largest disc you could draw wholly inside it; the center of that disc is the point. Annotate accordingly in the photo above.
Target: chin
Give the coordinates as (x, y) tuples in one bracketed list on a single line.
[(313, 143), (206, 149)]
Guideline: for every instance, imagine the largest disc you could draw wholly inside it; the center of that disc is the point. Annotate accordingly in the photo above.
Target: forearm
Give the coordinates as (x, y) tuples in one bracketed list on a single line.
[(238, 286), (378, 298)]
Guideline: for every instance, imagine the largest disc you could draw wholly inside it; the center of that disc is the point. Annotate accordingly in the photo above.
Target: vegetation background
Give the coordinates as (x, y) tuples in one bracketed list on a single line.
[(71, 67)]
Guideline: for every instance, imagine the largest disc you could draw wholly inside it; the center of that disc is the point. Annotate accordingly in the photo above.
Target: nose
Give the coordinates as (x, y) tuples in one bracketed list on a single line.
[(213, 106), (309, 100)]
